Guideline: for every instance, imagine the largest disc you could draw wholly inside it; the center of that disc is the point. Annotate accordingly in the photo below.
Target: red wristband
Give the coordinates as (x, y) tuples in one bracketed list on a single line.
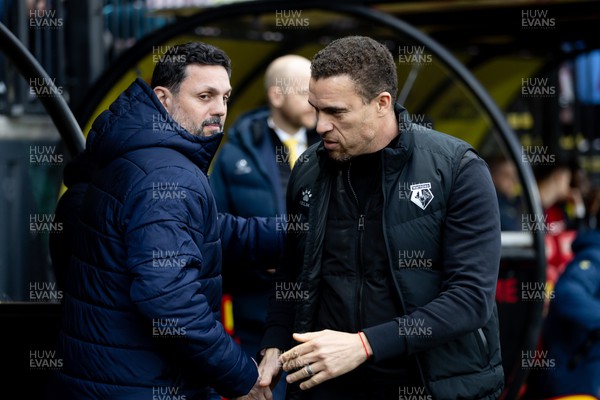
[(363, 343)]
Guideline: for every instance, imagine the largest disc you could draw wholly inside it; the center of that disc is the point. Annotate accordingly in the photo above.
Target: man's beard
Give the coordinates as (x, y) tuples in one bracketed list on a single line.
[(343, 158), (194, 128)]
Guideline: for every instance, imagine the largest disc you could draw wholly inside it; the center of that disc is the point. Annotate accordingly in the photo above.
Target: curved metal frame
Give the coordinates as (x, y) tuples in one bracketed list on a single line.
[(507, 136), (56, 106)]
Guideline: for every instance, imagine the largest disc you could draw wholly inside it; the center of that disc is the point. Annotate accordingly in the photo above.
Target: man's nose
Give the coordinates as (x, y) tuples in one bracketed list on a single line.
[(219, 108), (323, 125)]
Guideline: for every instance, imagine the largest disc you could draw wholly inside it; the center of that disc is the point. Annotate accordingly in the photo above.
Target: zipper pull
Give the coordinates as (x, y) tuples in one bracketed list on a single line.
[(361, 222)]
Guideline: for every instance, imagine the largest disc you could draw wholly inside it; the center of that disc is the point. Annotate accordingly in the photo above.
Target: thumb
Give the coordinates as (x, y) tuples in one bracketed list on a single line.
[(267, 372), (305, 337), (265, 380)]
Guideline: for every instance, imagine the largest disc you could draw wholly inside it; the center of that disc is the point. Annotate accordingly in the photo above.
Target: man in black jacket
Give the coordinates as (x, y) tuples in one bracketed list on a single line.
[(390, 291)]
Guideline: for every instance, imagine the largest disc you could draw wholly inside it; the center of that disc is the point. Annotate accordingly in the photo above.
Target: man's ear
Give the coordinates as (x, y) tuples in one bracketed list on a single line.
[(276, 96), (384, 103), (164, 96)]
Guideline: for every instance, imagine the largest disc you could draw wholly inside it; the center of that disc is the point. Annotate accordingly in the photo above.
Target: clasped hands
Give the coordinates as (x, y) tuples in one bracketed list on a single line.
[(320, 356)]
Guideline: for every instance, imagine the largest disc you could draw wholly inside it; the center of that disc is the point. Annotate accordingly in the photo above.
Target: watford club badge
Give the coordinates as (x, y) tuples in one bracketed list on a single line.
[(421, 194)]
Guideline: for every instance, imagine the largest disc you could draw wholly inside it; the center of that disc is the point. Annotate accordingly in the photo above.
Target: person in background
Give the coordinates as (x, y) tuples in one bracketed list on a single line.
[(584, 209), (554, 186), (506, 182), (571, 332), (250, 176), (142, 287), (390, 290)]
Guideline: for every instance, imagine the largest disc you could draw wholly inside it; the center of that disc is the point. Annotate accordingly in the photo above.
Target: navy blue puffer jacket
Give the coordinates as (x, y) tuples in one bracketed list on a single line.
[(572, 328), (143, 286)]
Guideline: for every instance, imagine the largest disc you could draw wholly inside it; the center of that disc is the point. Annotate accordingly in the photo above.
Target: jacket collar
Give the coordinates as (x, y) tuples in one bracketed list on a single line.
[(395, 157)]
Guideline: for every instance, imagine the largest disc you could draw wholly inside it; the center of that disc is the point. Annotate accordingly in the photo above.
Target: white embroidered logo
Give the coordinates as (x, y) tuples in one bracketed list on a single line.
[(242, 167), (421, 194), (306, 195)]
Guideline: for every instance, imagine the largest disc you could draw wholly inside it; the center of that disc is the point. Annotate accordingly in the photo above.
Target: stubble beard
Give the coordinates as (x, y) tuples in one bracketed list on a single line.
[(182, 119), (196, 129), (340, 157)]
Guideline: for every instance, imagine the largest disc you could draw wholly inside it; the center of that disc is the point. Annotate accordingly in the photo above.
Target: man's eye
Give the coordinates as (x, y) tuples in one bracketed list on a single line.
[(204, 97)]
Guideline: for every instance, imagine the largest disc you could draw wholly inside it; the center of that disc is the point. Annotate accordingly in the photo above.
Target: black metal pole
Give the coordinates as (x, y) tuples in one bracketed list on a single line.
[(55, 105)]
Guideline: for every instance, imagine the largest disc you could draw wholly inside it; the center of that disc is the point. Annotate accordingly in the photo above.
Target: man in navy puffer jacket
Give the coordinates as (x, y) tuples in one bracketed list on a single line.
[(572, 328), (142, 289)]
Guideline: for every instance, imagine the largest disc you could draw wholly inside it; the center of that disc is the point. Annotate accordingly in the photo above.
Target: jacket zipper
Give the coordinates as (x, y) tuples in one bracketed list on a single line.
[(360, 227)]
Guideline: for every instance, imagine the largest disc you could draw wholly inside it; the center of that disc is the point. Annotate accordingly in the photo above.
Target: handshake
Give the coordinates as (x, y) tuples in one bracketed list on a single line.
[(269, 373), (321, 356)]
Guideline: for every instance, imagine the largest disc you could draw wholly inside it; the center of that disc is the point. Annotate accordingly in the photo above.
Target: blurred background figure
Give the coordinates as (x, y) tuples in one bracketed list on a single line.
[(554, 185), (584, 213), (557, 196), (250, 177), (506, 182), (572, 328)]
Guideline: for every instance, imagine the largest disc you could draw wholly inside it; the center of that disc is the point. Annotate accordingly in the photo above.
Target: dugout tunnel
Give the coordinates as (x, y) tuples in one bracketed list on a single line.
[(434, 85)]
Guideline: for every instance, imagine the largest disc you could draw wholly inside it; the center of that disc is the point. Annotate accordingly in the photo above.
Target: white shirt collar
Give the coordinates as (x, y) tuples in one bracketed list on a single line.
[(300, 135)]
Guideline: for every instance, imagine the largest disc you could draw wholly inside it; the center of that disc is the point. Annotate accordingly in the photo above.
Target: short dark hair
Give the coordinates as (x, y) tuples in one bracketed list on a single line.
[(542, 172), (368, 63), (170, 70)]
